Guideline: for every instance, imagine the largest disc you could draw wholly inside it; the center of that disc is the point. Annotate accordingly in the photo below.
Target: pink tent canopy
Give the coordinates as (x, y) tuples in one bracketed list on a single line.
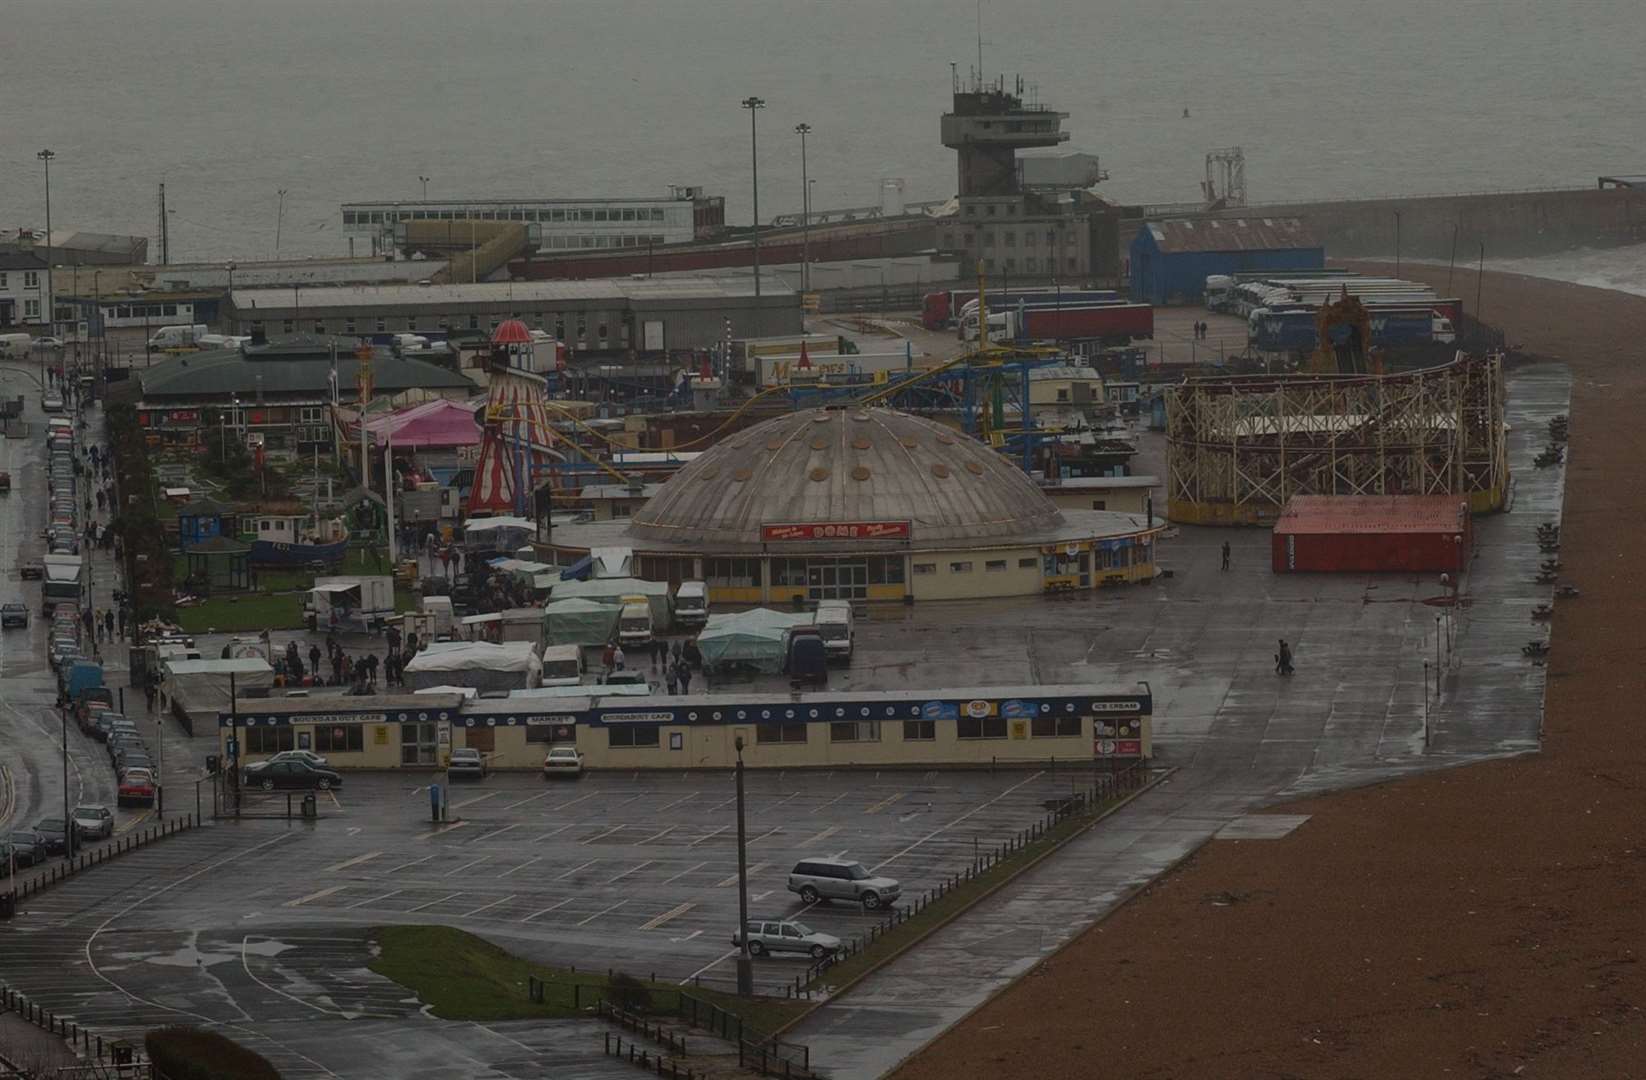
[(431, 424)]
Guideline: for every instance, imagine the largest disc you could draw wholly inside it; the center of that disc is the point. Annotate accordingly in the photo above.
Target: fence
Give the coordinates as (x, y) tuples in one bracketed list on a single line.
[(117, 846), (114, 1058), (1082, 801)]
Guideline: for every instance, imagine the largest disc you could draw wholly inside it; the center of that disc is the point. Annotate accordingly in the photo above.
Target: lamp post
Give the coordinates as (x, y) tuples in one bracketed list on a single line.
[(279, 220), (754, 104), (805, 213), (68, 822), (51, 314), (745, 966), (236, 326), (1397, 243), (425, 181)]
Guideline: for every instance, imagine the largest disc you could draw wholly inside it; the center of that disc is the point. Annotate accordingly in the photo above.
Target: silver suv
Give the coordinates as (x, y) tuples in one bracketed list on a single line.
[(786, 935), (841, 879)]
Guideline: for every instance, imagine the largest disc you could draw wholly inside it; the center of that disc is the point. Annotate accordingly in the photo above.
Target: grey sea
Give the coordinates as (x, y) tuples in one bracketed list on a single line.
[(229, 101)]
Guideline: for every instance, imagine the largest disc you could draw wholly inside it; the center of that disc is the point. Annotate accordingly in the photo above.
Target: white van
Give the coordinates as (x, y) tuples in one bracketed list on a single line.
[(691, 604), (834, 626), (634, 625), (562, 665), (15, 346), (178, 337)]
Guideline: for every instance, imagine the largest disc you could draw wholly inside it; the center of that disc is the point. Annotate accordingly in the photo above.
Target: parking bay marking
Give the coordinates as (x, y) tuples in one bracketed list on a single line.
[(375, 899), (820, 837), (602, 836), (485, 907), (477, 798), (597, 914), (709, 836), (313, 896), (496, 832), (346, 863), (883, 803), (414, 862), (656, 836), (465, 866), (556, 831), (522, 866), (619, 877), (733, 879), (431, 903), (677, 802), (673, 913), (552, 907), (683, 873), (443, 829), (575, 869), (831, 802)]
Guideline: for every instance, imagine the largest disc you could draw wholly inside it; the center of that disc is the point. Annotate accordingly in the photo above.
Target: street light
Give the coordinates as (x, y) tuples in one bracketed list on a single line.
[(230, 268), (753, 104), (279, 220), (805, 212), (425, 181), (745, 966), (1397, 243), (51, 307)]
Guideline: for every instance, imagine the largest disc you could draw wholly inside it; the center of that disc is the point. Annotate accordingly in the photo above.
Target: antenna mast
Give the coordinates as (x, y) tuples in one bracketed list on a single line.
[(165, 247)]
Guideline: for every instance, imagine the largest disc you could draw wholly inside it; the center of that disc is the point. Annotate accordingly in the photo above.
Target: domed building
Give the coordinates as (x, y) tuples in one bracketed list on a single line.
[(864, 504)]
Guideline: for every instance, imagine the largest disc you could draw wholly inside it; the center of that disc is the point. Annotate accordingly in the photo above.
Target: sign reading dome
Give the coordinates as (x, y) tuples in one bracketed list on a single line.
[(837, 530)]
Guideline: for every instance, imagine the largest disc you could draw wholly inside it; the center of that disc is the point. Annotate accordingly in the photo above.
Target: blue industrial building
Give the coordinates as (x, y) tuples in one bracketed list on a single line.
[(1171, 259)]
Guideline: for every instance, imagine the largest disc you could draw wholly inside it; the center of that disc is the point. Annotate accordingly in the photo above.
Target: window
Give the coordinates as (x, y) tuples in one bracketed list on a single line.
[(919, 730), (348, 219), (991, 210), (995, 565), (3, 284), (885, 570), (585, 215), (971, 211), (981, 727), (988, 238), (1011, 238), (632, 735), (737, 573), (1011, 211), (855, 731), (268, 740), (339, 739), (31, 309), (602, 331), (1011, 264), (628, 214), (549, 733), (1029, 264), (924, 568), (319, 326), (789, 732), (1100, 504), (31, 279), (1028, 564), (1062, 395), (1047, 727), (557, 215), (657, 215), (382, 325), (1028, 238), (960, 568), (474, 322), (348, 326), (171, 309), (1051, 237), (1072, 262), (285, 326)]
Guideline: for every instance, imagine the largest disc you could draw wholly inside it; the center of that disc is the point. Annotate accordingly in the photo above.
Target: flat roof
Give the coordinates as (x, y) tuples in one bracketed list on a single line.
[(590, 290), (1373, 514), (1094, 483)]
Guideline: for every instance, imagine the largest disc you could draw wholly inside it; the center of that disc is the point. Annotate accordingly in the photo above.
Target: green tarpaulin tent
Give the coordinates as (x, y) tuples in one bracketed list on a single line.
[(579, 622)]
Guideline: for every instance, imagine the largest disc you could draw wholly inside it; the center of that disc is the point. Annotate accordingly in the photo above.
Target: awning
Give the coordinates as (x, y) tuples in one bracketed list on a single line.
[(336, 587), (473, 620), (578, 569)]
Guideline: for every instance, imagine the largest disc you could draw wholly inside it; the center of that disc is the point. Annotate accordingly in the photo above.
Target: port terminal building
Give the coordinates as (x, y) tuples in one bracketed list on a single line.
[(909, 728), (868, 504)]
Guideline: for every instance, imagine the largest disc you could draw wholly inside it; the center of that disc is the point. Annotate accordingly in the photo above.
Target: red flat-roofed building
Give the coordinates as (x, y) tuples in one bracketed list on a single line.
[(1372, 534)]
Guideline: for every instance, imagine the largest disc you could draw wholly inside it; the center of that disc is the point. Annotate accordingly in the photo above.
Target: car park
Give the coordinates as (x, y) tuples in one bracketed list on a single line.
[(291, 774), (137, 786), (563, 761), (787, 935), (466, 763), (14, 615), (841, 879), (93, 821)]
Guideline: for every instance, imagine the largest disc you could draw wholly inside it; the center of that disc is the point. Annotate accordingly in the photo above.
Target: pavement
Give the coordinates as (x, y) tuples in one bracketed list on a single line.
[(632, 870)]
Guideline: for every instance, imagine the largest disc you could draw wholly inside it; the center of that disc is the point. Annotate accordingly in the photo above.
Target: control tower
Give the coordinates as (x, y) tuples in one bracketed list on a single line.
[(986, 129)]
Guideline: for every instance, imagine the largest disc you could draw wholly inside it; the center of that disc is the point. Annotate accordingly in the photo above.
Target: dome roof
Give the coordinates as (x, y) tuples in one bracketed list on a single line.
[(833, 466)]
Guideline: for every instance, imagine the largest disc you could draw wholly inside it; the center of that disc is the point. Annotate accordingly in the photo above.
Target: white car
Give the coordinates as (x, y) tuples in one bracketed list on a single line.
[(563, 761), (308, 756), (466, 762), (93, 822), (52, 401), (47, 343)]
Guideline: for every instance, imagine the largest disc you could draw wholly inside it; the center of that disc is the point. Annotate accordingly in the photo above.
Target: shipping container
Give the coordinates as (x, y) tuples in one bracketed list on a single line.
[(1372, 534)]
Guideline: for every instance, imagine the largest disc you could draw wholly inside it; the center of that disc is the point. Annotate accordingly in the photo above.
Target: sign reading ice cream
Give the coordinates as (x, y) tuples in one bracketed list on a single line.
[(836, 530)]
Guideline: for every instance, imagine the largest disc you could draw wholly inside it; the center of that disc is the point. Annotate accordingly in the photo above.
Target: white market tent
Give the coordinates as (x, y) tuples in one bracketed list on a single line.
[(579, 622), (758, 638), (482, 665), (612, 591)]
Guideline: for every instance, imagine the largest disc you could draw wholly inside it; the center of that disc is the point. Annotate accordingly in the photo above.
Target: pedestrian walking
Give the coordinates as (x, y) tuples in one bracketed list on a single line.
[(619, 657), (108, 625), (673, 680), (683, 675), (1225, 554), (658, 651), (1283, 659), (674, 650), (608, 658), (121, 622), (314, 660)]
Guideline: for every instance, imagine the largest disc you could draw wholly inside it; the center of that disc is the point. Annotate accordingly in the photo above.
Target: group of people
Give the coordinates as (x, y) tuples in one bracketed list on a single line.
[(1201, 330), (358, 673), (677, 661)]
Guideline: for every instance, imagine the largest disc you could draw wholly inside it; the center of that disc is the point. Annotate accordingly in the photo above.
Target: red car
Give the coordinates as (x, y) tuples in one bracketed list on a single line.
[(136, 786)]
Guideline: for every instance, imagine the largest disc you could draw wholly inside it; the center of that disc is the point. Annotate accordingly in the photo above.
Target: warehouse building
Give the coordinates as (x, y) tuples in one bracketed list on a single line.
[(1171, 259), (863, 504), (603, 314), (954, 727)]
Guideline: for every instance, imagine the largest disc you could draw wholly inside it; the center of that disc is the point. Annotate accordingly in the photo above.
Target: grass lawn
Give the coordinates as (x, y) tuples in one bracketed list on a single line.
[(244, 613), (464, 977)]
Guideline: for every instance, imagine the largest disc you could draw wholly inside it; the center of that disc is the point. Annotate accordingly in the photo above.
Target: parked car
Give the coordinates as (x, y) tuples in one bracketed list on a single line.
[(28, 847), (841, 879), (52, 401), (563, 761), (93, 821), (136, 786), (55, 831), (14, 615), (467, 762), (291, 774), (47, 343), (134, 759), (786, 935), (317, 761)]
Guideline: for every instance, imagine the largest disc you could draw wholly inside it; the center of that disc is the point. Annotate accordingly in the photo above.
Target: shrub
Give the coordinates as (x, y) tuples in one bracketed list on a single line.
[(190, 1053), (628, 992)]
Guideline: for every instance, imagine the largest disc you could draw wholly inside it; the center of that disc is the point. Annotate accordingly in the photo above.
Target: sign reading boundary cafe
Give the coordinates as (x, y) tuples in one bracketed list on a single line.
[(836, 530)]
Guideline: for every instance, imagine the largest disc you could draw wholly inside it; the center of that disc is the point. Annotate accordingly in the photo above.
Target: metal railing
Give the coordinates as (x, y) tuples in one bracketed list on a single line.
[(115, 1058), (117, 846)]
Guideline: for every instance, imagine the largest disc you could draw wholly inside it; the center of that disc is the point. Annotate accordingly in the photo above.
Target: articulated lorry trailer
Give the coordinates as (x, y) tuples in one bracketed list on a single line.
[(1109, 324)]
